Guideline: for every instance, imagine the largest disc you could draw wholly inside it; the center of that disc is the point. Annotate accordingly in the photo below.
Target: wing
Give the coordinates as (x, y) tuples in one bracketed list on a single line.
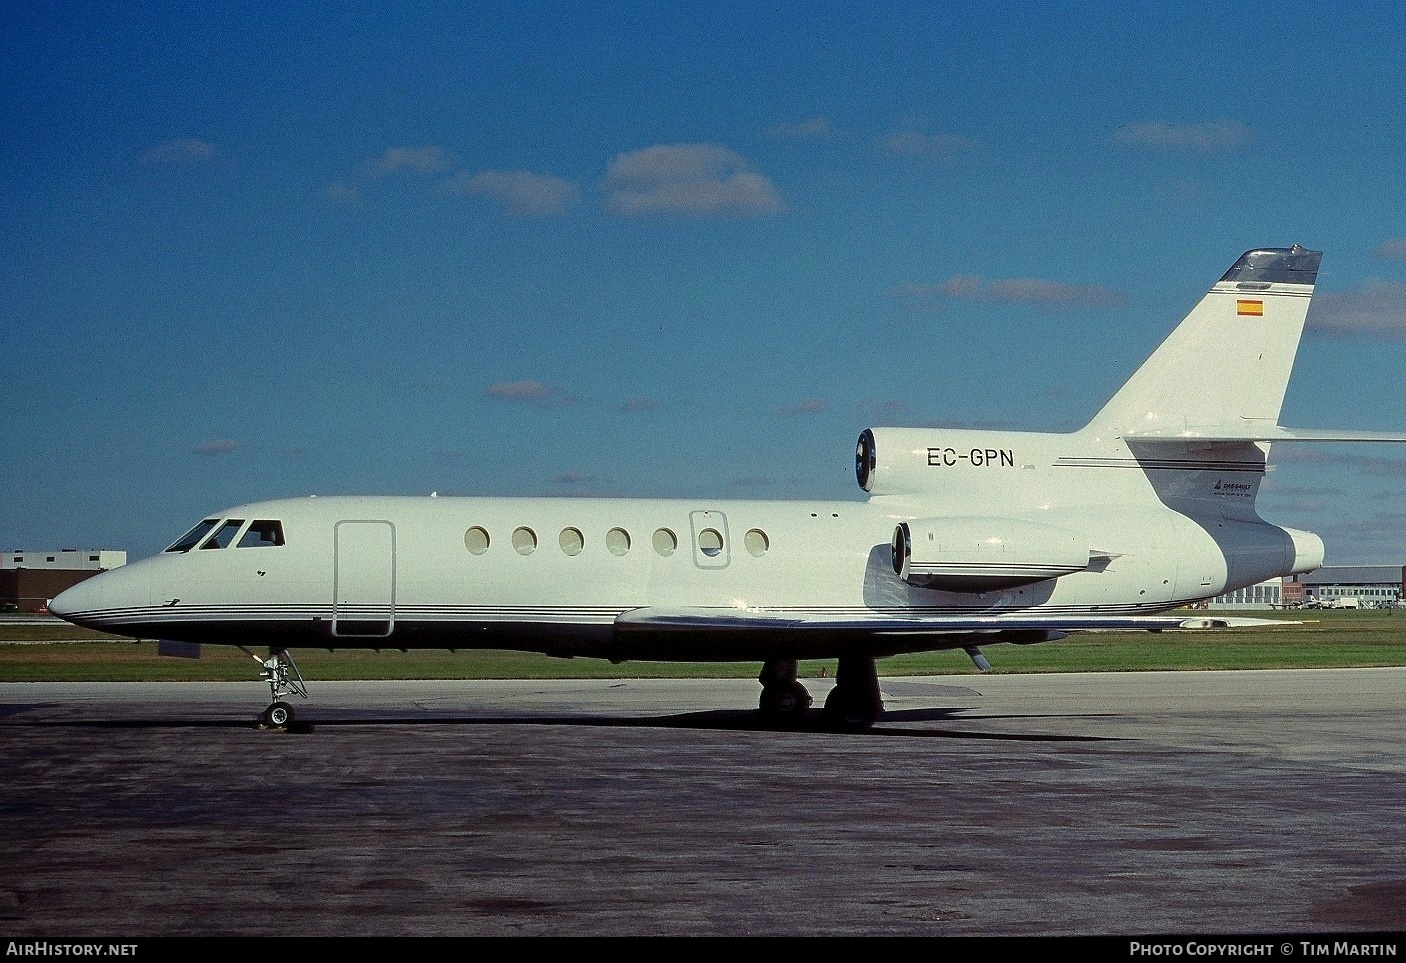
[(727, 619)]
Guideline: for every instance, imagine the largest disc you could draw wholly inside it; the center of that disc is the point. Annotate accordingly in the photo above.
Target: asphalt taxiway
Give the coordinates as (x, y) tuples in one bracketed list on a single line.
[(1072, 804)]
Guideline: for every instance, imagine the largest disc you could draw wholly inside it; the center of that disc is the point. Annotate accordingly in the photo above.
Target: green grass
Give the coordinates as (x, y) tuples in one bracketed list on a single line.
[(1324, 640)]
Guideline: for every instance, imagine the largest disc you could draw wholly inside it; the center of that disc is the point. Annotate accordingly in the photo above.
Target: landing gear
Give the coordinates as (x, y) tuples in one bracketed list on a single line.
[(784, 700), (855, 702), (283, 678)]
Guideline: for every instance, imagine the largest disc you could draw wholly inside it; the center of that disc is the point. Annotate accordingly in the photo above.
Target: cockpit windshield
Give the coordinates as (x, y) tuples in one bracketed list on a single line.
[(225, 535), (192, 538), (261, 533)]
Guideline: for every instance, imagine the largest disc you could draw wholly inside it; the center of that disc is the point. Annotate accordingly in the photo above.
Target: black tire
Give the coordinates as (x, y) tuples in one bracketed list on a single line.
[(784, 705), (848, 714), (279, 715)]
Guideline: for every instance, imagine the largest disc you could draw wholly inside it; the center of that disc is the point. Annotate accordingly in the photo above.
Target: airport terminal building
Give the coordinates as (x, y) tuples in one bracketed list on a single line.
[(28, 580)]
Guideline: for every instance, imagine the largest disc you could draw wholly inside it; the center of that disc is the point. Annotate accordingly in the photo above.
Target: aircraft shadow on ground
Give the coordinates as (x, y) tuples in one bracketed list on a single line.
[(899, 723)]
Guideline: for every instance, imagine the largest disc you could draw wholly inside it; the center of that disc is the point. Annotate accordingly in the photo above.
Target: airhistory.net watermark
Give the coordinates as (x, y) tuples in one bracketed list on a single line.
[(45, 948)]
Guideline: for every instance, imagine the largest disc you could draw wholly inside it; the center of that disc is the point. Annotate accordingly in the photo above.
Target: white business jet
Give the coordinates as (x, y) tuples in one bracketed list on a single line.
[(968, 537)]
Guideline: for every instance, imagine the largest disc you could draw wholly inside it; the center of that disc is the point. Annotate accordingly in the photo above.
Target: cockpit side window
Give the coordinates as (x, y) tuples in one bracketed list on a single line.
[(262, 532), (192, 538), (225, 535)]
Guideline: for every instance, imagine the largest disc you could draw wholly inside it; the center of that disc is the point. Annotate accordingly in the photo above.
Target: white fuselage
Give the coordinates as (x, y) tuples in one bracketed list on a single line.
[(554, 574)]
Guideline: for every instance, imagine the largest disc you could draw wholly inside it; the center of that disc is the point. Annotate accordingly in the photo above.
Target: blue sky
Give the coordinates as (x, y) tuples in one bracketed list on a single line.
[(662, 249)]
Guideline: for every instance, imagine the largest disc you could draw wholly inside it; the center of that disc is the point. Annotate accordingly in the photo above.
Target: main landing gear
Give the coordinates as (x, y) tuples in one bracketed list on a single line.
[(855, 702), (784, 700), (284, 680)]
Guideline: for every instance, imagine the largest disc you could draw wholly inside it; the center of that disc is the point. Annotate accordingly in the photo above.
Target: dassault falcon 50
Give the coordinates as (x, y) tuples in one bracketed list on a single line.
[(966, 538)]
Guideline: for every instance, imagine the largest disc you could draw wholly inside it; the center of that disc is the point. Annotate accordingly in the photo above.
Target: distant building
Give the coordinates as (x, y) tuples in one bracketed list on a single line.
[(1262, 595), (1331, 586), (1373, 586), (28, 580)]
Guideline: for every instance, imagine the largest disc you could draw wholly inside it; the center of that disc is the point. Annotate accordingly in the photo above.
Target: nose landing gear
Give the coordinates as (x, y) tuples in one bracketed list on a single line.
[(284, 680)]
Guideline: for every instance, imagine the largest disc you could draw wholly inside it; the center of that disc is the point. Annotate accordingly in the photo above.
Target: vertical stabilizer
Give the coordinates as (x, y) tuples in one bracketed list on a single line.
[(1225, 368)]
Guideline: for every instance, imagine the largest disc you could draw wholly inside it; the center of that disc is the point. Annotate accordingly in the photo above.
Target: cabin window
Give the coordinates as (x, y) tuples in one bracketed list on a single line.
[(262, 533), (617, 540), (572, 541), (225, 534), (476, 540), (756, 541), (192, 538), (524, 541), (710, 542), (665, 542)]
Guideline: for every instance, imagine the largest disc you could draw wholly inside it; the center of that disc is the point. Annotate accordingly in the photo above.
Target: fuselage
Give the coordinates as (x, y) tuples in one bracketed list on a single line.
[(554, 574)]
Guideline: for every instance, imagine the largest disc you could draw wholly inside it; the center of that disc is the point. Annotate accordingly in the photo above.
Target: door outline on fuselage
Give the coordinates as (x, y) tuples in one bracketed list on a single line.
[(708, 552), (363, 577)]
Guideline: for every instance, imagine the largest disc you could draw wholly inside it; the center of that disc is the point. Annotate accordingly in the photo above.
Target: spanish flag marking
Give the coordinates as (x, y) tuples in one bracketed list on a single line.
[(1253, 309)]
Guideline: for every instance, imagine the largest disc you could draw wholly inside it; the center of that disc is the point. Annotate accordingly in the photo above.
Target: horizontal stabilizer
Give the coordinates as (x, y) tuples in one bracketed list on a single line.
[(1271, 433)]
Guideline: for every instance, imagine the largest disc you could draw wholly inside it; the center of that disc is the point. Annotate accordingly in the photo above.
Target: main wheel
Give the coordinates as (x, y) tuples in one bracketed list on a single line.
[(842, 711), (786, 704)]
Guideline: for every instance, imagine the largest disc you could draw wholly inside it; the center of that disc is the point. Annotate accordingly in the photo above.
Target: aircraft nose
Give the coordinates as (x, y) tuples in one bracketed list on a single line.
[(71, 603)]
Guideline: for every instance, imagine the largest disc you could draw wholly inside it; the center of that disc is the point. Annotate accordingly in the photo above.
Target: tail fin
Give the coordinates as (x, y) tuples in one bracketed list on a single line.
[(1224, 370)]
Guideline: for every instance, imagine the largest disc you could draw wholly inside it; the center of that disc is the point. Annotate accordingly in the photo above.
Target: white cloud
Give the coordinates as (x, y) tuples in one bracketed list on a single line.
[(941, 148), (218, 446), (526, 390), (519, 192), (1052, 295), (813, 128), (688, 180), (184, 150), (1377, 308), (1392, 249), (810, 406), (530, 392), (417, 160), (1211, 135)]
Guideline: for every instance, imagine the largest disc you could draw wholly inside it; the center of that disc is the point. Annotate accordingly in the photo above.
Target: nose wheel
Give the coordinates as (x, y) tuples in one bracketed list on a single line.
[(284, 680), (277, 716)]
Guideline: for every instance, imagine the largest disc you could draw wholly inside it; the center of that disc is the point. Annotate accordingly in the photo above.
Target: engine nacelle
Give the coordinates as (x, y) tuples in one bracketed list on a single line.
[(913, 461), (892, 460), (984, 554)]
